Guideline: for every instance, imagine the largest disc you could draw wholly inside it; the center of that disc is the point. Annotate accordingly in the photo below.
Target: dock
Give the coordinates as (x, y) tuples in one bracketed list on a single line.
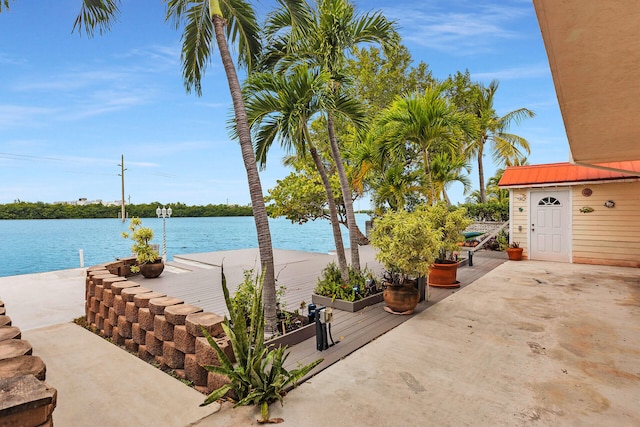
[(196, 279)]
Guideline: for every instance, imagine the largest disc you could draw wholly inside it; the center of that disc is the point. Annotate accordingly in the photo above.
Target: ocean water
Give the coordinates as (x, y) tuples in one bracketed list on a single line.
[(33, 246)]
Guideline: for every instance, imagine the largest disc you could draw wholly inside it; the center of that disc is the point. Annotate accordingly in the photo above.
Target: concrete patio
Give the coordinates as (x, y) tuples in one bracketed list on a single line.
[(530, 343)]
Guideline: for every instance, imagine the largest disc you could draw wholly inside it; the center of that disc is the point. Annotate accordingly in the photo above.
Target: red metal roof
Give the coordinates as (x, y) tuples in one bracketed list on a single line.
[(563, 173)]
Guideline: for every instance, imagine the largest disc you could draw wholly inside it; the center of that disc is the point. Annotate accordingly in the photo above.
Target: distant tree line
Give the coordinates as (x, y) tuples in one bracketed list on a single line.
[(40, 210)]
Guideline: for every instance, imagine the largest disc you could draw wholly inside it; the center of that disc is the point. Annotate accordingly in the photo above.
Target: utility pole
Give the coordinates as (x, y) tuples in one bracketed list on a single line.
[(122, 214)]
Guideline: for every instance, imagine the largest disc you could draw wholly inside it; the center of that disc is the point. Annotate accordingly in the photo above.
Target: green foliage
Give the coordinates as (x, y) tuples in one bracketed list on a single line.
[(377, 79), (141, 237), (450, 223), (242, 300), (407, 243), (330, 284), (259, 376), (491, 211), (502, 240), (301, 197), (410, 132), (40, 210)]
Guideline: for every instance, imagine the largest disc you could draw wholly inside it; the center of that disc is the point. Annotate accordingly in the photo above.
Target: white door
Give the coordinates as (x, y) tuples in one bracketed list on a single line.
[(550, 225)]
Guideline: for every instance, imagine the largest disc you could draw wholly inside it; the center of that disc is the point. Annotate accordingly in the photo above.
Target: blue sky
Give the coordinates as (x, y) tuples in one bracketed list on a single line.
[(70, 106)]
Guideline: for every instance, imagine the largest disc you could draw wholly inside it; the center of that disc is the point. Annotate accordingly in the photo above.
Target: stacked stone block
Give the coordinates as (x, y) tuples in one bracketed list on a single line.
[(26, 400), (157, 327)]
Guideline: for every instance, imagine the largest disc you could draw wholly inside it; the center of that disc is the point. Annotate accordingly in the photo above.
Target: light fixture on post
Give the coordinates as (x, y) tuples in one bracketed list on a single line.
[(164, 213)]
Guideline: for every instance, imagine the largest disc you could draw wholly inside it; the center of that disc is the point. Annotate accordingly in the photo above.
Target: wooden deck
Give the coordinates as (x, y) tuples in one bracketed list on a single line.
[(196, 279)]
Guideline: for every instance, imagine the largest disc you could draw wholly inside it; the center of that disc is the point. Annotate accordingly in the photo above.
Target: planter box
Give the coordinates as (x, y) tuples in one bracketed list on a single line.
[(347, 305), (294, 337)]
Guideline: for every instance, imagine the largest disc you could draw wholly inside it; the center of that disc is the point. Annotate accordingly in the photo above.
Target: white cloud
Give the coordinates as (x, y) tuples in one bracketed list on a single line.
[(469, 28), (18, 115), (521, 72)]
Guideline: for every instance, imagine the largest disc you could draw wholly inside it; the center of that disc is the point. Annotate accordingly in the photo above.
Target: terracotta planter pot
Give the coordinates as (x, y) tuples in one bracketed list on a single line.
[(401, 299), (514, 254), (444, 274), (152, 270)]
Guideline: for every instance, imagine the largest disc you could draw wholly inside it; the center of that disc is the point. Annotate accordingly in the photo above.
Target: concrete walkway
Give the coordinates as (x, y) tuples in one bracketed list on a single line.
[(530, 343), (100, 384)]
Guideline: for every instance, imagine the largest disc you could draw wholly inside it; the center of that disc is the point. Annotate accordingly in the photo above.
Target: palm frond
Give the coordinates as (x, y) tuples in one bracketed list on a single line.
[(93, 14), (243, 30), (4, 4)]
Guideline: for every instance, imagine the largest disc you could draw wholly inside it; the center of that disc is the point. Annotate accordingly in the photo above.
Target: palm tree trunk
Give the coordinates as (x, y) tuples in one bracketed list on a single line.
[(333, 214), (346, 194), (483, 192), (446, 196), (255, 187), (427, 165)]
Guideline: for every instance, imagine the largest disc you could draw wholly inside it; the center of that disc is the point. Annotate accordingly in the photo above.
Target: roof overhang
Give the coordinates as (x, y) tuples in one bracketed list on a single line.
[(593, 48), (566, 174)]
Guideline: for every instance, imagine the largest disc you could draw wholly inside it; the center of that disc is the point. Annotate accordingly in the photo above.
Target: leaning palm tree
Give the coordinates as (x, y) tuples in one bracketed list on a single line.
[(203, 20), (322, 37), (281, 107), (506, 148)]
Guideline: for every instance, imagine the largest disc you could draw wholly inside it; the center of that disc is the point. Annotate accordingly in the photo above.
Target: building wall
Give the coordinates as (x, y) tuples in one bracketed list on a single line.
[(519, 219), (609, 236), (606, 236)]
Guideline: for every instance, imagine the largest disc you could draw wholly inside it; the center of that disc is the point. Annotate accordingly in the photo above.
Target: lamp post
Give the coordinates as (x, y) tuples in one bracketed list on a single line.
[(164, 213)]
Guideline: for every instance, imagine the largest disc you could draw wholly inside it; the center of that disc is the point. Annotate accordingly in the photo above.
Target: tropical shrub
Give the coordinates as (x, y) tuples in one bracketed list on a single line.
[(259, 376), (361, 284), (491, 211), (407, 243), (450, 222), (242, 300)]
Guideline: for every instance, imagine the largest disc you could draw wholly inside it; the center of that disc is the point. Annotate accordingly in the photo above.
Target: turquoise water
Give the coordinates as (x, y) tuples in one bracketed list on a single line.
[(33, 246)]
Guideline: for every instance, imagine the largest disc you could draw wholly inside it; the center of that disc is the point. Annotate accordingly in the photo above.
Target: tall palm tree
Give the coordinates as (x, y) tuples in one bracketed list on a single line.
[(323, 37), (203, 20), (506, 148), (428, 123), (281, 106)]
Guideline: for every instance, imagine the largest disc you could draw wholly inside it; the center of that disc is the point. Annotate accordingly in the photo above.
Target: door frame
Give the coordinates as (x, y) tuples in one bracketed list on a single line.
[(535, 194)]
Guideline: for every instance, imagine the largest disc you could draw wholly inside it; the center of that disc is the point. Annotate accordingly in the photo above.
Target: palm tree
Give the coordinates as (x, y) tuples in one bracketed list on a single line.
[(281, 106), (396, 187), (203, 20), (322, 38), (506, 148), (447, 168), (428, 123)]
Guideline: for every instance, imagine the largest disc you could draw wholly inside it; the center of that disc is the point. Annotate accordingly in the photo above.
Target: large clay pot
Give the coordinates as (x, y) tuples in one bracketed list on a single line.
[(401, 299), (443, 274), (152, 270), (514, 254)]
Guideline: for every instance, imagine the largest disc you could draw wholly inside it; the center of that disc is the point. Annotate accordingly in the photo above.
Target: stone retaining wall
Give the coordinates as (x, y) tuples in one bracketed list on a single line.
[(156, 327), (25, 398)]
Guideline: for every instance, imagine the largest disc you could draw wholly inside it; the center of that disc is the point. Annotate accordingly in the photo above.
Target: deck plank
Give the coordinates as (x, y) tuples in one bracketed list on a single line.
[(298, 272)]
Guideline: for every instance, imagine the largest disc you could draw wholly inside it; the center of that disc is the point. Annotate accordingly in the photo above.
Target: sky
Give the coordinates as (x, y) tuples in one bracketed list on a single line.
[(71, 106)]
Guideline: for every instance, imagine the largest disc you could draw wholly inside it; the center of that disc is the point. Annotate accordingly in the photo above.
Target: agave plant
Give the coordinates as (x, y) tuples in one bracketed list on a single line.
[(259, 376)]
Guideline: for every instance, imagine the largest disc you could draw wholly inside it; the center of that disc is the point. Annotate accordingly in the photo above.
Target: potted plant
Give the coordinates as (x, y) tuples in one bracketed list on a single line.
[(514, 251), (451, 224), (407, 245), (361, 291), (149, 263)]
